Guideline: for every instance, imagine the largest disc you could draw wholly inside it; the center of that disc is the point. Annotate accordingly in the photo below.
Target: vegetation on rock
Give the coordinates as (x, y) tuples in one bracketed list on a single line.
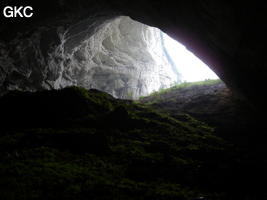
[(79, 144), (183, 85)]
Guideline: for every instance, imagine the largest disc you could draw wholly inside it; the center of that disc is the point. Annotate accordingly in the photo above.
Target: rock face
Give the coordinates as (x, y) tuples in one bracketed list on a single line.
[(214, 104), (120, 56), (124, 58)]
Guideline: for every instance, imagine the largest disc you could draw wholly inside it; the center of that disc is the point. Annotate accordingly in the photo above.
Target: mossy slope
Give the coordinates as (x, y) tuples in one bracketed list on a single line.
[(79, 144)]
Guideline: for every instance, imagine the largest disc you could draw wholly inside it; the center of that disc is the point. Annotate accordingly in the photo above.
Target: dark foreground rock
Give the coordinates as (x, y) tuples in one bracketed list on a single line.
[(233, 119), (79, 144), (211, 102)]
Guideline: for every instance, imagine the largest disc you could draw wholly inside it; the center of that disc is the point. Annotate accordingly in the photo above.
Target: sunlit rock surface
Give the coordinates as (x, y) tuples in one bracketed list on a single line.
[(120, 56)]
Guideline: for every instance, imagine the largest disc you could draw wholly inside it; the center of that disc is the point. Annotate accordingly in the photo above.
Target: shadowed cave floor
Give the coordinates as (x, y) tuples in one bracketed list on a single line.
[(79, 144)]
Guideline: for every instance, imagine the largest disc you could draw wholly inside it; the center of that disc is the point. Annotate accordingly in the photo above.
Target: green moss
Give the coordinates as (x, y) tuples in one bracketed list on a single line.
[(87, 145), (182, 85)]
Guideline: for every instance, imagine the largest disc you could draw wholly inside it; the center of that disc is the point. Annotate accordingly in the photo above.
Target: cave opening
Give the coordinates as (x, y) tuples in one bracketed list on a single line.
[(63, 139), (190, 67), (125, 58), (117, 55)]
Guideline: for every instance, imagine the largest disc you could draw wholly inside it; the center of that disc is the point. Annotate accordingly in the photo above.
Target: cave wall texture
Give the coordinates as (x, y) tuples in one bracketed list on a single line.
[(120, 56), (228, 36)]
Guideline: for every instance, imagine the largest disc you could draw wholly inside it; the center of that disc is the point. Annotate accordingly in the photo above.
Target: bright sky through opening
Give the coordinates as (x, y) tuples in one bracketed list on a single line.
[(191, 68)]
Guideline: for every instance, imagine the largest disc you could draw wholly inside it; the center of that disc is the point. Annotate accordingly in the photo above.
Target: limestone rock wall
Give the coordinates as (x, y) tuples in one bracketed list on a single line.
[(124, 58), (24, 60), (120, 56)]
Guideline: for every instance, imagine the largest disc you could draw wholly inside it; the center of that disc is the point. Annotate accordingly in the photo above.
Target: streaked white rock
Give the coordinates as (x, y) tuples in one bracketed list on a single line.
[(120, 56), (124, 58)]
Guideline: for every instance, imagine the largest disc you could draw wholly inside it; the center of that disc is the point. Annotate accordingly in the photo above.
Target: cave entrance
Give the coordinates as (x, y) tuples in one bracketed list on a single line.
[(117, 55), (128, 59), (124, 58)]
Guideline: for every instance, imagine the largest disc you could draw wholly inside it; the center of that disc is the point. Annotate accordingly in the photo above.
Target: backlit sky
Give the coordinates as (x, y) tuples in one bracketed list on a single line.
[(191, 68)]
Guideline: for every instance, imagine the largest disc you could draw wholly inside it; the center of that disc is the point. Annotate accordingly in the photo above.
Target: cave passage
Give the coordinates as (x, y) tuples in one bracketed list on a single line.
[(128, 59), (120, 56), (75, 126)]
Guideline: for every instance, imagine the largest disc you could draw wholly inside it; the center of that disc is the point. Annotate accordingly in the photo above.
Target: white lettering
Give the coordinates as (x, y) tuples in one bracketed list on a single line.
[(15, 11), (25, 11), (8, 11)]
